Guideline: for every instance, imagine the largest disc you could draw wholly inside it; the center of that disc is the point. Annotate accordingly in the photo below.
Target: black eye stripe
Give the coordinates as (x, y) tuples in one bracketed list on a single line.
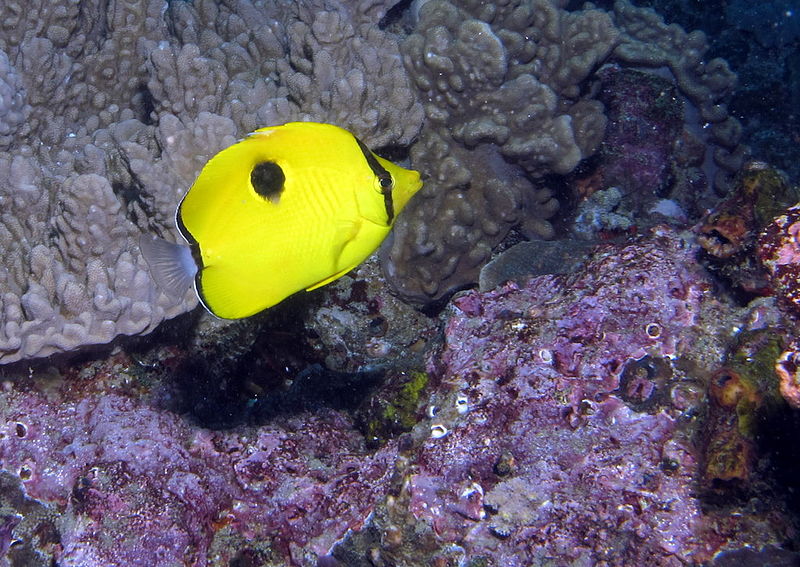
[(384, 178)]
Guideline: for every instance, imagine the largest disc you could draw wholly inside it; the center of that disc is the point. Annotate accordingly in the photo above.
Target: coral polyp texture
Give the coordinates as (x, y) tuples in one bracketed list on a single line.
[(510, 99), (500, 86), (108, 110)]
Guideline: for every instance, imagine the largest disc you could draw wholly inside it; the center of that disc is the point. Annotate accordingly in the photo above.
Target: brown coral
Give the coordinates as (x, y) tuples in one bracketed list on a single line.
[(503, 108), (509, 84)]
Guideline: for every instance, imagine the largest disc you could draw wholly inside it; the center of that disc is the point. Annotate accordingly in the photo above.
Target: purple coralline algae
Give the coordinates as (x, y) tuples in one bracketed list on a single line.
[(788, 369), (561, 429), (651, 167), (559, 422), (779, 253), (139, 486), (645, 123)]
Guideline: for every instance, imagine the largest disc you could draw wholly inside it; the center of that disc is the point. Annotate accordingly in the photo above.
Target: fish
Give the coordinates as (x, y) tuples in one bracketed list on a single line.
[(288, 208)]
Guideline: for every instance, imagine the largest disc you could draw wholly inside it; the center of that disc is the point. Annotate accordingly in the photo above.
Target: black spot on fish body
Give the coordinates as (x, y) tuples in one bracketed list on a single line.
[(268, 179)]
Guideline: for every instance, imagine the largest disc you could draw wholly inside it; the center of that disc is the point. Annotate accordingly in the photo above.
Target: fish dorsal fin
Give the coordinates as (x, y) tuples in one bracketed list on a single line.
[(171, 265)]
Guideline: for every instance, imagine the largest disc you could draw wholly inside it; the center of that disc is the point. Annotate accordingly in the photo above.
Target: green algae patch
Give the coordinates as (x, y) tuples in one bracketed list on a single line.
[(394, 408)]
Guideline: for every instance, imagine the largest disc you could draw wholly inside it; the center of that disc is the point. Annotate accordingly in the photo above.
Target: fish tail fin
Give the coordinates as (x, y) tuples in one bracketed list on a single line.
[(171, 265)]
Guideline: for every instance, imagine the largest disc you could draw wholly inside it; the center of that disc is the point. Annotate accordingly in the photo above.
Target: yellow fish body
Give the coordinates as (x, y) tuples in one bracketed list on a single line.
[(288, 208)]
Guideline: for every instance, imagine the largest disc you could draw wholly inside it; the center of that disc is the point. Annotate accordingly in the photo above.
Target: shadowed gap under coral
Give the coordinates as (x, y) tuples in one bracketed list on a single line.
[(259, 369)]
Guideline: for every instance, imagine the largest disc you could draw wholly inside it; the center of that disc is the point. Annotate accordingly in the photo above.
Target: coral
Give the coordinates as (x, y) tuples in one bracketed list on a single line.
[(760, 194), (730, 451), (501, 86), (648, 152), (744, 394), (601, 212), (266, 65), (13, 109), (645, 40), (511, 97), (73, 276), (474, 65), (650, 156), (108, 110), (445, 235), (759, 41)]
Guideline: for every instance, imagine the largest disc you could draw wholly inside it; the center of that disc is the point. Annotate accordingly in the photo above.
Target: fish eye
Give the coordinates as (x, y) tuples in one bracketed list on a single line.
[(386, 182)]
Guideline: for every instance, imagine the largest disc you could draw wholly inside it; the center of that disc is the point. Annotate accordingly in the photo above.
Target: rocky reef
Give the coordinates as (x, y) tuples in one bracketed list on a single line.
[(600, 386), (625, 394), (569, 390)]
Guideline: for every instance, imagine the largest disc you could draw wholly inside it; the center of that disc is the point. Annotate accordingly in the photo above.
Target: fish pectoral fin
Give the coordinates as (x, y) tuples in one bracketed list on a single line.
[(348, 231), (171, 265), (334, 277)]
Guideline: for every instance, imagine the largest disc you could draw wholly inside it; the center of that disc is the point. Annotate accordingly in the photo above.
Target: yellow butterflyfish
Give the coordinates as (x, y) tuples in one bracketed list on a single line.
[(288, 208)]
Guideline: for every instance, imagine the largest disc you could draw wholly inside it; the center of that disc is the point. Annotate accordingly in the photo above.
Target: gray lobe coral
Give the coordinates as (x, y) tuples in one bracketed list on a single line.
[(108, 110)]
